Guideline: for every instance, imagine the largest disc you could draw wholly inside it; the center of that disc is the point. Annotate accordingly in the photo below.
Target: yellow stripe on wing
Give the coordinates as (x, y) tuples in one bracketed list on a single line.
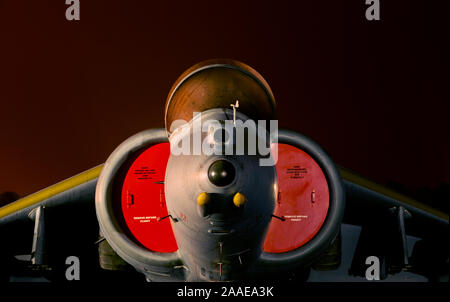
[(95, 172), (50, 191), (354, 178)]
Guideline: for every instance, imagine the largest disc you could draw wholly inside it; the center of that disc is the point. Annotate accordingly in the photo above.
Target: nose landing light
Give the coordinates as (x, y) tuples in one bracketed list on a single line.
[(203, 198), (221, 173), (239, 199)]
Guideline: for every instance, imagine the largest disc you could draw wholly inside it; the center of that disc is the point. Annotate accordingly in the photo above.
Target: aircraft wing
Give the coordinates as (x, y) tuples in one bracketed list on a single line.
[(49, 226), (60, 221)]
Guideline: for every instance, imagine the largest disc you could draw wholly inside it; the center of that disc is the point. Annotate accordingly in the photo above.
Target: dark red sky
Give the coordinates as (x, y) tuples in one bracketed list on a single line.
[(375, 95)]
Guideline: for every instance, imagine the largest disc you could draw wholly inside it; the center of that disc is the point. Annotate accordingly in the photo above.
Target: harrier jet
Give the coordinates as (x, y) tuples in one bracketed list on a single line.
[(221, 194)]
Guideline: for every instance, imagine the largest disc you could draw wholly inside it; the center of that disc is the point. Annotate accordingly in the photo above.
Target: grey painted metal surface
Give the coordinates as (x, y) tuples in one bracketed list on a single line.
[(38, 253), (360, 195), (81, 194), (222, 241), (350, 236)]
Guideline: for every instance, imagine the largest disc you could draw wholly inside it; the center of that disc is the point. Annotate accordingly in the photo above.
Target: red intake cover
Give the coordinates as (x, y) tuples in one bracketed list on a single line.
[(303, 201), (143, 200)]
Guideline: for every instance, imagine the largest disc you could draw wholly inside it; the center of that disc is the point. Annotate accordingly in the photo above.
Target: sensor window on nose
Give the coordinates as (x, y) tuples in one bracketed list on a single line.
[(221, 173)]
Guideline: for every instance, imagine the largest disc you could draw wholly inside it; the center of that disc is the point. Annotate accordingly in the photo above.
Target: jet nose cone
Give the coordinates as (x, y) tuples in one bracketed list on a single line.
[(221, 173)]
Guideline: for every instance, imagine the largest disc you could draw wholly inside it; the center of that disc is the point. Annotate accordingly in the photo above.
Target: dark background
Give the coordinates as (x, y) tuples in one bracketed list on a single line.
[(374, 94)]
